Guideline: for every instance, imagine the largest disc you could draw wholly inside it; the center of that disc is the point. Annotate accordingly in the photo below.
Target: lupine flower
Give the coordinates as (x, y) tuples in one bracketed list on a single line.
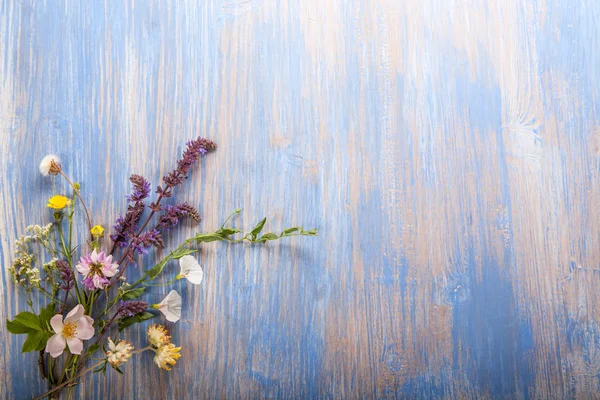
[(158, 336), (190, 269), (58, 202), (97, 267), (118, 353), (141, 188), (66, 274), (50, 165), (71, 332), (131, 308), (167, 356), (170, 306), (97, 231)]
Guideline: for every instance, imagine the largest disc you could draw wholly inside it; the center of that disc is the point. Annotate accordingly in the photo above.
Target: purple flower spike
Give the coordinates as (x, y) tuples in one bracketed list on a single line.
[(141, 243), (131, 308), (173, 214), (66, 274), (195, 149), (141, 188)]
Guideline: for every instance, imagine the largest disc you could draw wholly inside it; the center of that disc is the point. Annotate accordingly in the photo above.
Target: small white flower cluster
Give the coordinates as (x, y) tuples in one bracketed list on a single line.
[(124, 286), (22, 270), (50, 269)]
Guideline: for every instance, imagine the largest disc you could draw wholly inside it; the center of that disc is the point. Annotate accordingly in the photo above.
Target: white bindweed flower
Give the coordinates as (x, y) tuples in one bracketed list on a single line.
[(75, 328), (190, 269), (50, 165), (170, 306)]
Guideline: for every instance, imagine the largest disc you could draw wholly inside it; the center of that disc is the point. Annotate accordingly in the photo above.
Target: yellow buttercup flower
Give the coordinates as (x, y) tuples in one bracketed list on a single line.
[(58, 202), (97, 230), (167, 356)]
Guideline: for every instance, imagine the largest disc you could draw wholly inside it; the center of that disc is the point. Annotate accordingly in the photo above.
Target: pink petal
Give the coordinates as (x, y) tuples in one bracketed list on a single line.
[(56, 323), (83, 269), (94, 256), (56, 345), (75, 345), (85, 330), (75, 313), (107, 271)]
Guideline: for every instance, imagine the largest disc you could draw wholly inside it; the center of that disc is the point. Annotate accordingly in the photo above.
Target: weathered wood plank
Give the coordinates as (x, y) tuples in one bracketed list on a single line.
[(447, 151)]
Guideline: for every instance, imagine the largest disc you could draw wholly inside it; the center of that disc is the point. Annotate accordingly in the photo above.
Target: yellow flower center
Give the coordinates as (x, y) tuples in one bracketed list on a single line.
[(69, 330), (96, 269)]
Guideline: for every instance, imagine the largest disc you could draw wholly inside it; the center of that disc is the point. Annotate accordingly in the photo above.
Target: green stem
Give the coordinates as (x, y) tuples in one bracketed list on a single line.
[(67, 382)]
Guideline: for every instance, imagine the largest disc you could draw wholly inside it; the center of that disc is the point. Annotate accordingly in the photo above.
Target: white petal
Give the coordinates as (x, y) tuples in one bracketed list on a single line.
[(56, 323), (187, 262), (82, 269), (85, 328), (56, 345), (172, 311), (195, 276), (75, 313), (75, 345)]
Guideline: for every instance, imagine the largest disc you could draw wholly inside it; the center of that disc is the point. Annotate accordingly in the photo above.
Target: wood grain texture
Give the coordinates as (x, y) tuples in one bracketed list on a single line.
[(448, 152)]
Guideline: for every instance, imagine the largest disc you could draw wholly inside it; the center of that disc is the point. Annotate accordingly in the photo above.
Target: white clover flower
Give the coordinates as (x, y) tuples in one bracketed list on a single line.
[(170, 306), (190, 269), (118, 353), (158, 336), (50, 165), (167, 356)]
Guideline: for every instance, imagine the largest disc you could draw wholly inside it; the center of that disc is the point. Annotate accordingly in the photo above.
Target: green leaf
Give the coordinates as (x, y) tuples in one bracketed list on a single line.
[(36, 341), (268, 236), (258, 228), (44, 340), (227, 231), (133, 293), (29, 320), (208, 237), (292, 230), (312, 232), (157, 269), (177, 254), (117, 369), (17, 328), (46, 314), (136, 319), (93, 348)]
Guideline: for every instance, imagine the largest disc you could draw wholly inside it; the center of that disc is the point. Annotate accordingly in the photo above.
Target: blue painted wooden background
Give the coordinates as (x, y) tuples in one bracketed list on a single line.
[(448, 152)]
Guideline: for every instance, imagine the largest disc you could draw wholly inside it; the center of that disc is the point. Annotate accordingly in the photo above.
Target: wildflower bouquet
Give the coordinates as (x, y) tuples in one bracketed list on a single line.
[(83, 281)]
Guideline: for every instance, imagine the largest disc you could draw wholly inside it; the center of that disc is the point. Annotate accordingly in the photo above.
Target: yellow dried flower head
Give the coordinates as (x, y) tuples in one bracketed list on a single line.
[(97, 231), (158, 336), (58, 202), (167, 356)]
